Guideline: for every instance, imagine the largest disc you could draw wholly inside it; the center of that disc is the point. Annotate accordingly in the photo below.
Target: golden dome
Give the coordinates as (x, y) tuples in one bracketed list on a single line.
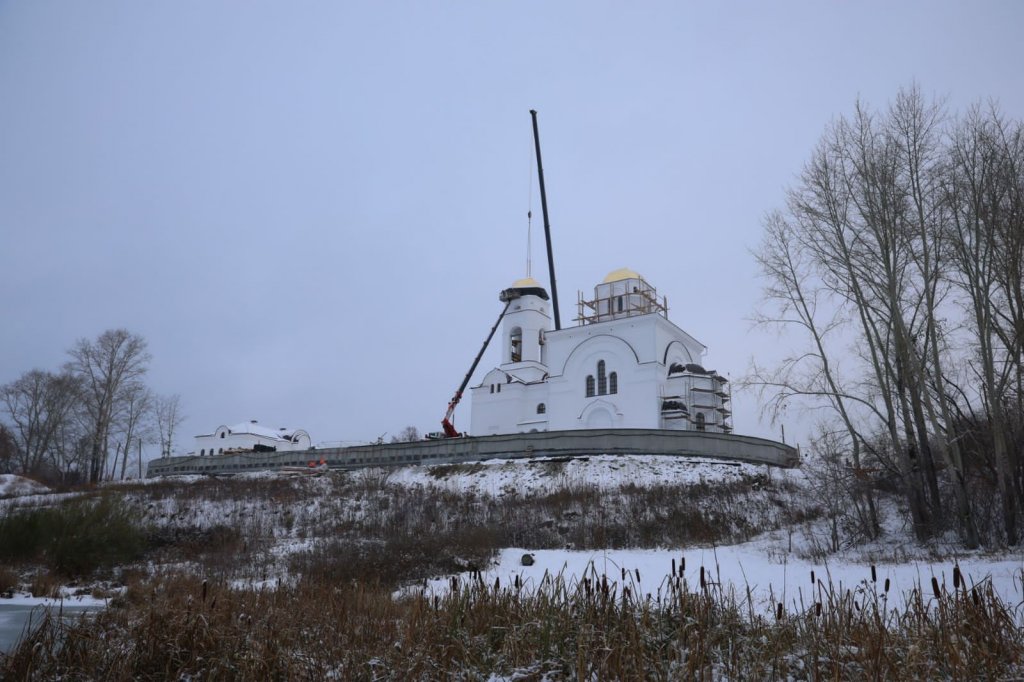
[(621, 274), (525, 283)]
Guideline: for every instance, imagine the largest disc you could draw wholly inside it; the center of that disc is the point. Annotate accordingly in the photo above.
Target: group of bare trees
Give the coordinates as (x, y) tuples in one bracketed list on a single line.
[(89, 420), (898, 261)]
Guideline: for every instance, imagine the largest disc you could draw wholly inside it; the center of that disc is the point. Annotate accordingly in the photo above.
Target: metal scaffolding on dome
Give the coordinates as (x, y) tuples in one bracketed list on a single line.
[(619, 299)]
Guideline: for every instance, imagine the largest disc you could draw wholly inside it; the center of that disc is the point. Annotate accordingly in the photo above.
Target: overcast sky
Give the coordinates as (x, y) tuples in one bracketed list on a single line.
[(308, 209)]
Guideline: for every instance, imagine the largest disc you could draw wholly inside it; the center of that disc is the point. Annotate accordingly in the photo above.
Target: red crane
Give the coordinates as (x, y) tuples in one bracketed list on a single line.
[(506, 296)]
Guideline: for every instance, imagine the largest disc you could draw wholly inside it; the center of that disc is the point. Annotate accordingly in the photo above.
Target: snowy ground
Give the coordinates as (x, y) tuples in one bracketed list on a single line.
[(770, 567), (18, 486), (542, 475), (769, 577)]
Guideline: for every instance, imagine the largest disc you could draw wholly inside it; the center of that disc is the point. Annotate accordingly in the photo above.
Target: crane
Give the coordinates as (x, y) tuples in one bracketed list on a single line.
[(506, 297), (509, 295)]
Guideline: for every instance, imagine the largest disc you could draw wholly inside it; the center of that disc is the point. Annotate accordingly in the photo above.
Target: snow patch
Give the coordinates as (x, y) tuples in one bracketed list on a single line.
[(19, 486)]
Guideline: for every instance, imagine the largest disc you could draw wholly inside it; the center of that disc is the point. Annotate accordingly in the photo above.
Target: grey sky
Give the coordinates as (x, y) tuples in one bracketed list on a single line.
[(309, 209)]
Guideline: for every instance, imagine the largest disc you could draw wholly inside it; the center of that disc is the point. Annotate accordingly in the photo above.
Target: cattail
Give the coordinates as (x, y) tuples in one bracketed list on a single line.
[(702, 583), (204, 591), (874, 576), (887, 586), (813, 581), (673, 565), (637, 574), (497, 584), (956, 576), (935, 587), (974, 595), (623, 569), (778, 612), (817, 608), (682, 565)]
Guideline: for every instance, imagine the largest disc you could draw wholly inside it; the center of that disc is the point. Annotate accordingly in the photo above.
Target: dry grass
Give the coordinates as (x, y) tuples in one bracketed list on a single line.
[(335, 616), (361, 526), (181, 627)]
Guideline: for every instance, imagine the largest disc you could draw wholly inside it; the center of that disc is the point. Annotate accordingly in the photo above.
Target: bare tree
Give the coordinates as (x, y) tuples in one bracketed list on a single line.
[(410, 434), (133, 423), (983, 191), (797, 299), (168, 415), (106, 366), (38, 405), (8, 450), (898, 216), (849, 209)]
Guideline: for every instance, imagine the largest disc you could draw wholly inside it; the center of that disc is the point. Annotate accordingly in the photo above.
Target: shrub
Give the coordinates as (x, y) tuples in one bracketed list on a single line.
[(74, 538)]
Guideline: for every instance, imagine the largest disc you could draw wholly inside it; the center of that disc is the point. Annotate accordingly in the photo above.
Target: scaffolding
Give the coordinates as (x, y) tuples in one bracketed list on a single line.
[(620, 299)]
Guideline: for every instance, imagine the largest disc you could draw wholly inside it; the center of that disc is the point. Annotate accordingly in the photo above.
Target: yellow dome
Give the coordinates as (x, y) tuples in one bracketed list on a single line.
[(525, 283), (621, 274)]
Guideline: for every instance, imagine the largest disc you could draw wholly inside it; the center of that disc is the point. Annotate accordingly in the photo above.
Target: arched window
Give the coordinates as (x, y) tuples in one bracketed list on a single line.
[(590, 385), (613, 383), (602, 380), (542, 408), (221, 434), (700, 421), (202, 452), (516, 345)]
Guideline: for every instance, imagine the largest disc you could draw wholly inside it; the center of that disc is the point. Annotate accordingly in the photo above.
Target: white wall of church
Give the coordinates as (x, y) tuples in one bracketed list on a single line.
[(636, 351)]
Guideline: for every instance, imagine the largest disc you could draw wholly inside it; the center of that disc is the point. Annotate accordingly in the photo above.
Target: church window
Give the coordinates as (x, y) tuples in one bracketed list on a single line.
[(620, 303), (499, 388), (202, 452), (542, 408), (602, 380), (613, 383), (700, 421), (516, 345), (221, 434), (492, 388), (590, 385)]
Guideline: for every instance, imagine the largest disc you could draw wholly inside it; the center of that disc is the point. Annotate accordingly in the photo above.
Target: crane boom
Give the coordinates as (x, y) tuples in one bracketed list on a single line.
[(507, 296), (547, 224)]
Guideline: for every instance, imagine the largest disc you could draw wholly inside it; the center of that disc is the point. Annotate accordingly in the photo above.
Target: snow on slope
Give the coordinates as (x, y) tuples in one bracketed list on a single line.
[(18, 486), (544, 475)]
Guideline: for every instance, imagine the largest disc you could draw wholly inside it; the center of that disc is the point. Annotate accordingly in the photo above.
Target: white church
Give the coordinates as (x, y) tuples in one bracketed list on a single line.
[(625, 365)]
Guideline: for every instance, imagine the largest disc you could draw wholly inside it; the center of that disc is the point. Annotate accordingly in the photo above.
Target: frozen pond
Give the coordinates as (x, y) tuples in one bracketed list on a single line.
[(16, 615)]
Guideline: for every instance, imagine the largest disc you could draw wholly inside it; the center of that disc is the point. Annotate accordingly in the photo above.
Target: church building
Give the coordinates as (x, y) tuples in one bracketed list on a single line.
[(625, 365)]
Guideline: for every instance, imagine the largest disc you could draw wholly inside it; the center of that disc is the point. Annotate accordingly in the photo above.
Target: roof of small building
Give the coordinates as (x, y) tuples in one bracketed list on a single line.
[(621, 274), (525, 283), (256, 429)]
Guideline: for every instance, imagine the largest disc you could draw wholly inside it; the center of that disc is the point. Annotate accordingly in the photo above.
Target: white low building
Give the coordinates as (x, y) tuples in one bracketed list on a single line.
[(625, 365), (250, 436)]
